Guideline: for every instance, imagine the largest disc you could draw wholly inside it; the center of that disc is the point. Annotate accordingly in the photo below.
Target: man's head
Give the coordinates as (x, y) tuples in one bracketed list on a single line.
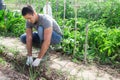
[(29, 14)]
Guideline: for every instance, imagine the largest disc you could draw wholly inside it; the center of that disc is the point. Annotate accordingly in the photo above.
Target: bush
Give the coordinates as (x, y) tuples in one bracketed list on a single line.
[(104, 43), (12, 22)]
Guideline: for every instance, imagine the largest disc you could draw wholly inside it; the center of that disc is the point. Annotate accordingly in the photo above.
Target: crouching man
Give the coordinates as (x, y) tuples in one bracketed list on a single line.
[(48, 32)]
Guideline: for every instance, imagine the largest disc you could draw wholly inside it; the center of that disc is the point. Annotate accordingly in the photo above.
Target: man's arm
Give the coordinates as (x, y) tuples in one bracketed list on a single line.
[(46, 42), (29, 41)]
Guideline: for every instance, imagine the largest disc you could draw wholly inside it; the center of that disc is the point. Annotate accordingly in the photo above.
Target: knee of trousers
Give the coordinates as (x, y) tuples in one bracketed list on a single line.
[(56, 41), (23, 38)]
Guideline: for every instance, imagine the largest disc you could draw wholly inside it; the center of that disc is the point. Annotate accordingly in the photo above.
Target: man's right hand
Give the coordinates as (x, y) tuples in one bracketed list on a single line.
[(29, 60)]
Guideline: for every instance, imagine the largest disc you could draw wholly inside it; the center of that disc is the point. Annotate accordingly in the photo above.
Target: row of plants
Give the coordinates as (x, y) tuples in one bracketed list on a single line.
[(109, 11), (103, 42)]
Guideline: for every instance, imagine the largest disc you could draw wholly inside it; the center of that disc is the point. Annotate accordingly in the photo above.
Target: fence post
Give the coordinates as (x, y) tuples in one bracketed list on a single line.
[(86, 45)]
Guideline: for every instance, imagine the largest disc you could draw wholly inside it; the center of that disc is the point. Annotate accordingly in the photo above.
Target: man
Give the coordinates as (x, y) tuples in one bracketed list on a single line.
[(48, 32)]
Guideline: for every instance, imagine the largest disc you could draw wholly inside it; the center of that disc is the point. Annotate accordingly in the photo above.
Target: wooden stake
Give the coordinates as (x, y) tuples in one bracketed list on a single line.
[(86, 46)]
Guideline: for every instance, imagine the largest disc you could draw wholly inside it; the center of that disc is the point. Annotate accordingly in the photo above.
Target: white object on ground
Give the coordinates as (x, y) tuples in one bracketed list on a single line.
[(36, 62), (47, 9), (29, 60)]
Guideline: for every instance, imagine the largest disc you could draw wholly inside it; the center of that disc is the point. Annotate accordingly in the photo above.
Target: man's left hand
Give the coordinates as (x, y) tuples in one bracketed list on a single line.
[(36, 62)]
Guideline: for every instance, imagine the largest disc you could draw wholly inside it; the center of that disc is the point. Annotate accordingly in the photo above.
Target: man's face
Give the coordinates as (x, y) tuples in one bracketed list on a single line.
[(31, 18)]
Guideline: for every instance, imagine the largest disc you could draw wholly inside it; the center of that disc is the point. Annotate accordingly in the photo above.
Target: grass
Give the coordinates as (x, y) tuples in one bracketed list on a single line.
[(13, 4), (2, 61), (33, 74), (14, 51), (9, 1), (1, 49)]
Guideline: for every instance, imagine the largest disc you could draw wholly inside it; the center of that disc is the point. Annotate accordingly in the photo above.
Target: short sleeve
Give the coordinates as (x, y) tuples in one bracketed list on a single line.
[(47, 22)]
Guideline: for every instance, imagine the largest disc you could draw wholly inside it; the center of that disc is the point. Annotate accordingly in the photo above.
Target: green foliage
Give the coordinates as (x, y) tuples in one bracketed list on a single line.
[(68, 42), (12, 22), (104, 43), (2, 61), (1, 49), (109, 11), (112, 15), (91, 11), (111, 44), (2, 21), (103, 36), (58, 9)]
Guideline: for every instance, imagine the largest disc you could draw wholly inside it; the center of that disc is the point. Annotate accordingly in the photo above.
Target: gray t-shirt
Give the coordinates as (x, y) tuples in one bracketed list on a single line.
[(45, 21)]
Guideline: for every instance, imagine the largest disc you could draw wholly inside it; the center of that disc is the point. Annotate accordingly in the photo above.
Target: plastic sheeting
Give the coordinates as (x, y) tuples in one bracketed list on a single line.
[(47, 9)]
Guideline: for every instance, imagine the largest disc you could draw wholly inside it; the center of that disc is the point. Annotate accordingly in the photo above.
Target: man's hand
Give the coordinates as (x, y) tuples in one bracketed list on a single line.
[(29, 60), (36, 62)]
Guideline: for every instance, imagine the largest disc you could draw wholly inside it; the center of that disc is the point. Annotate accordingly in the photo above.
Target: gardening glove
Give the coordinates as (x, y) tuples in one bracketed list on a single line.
[(36, 62), (29, 60)]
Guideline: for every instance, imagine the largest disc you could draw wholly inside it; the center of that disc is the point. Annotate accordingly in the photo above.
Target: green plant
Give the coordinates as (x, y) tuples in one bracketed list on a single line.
[(1, 49), (14, 51), (2, 61), (33, 74), (12, 22), (15, 23)]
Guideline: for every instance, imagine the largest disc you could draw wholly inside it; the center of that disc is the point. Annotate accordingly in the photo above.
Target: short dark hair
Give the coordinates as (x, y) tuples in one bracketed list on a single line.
[(27, 10)]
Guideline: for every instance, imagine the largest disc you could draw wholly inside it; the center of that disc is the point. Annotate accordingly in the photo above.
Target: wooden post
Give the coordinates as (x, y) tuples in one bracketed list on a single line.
[(64, 8), (64, 14), (86, 45), (46, 6), (56, 9), (75, 8)]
